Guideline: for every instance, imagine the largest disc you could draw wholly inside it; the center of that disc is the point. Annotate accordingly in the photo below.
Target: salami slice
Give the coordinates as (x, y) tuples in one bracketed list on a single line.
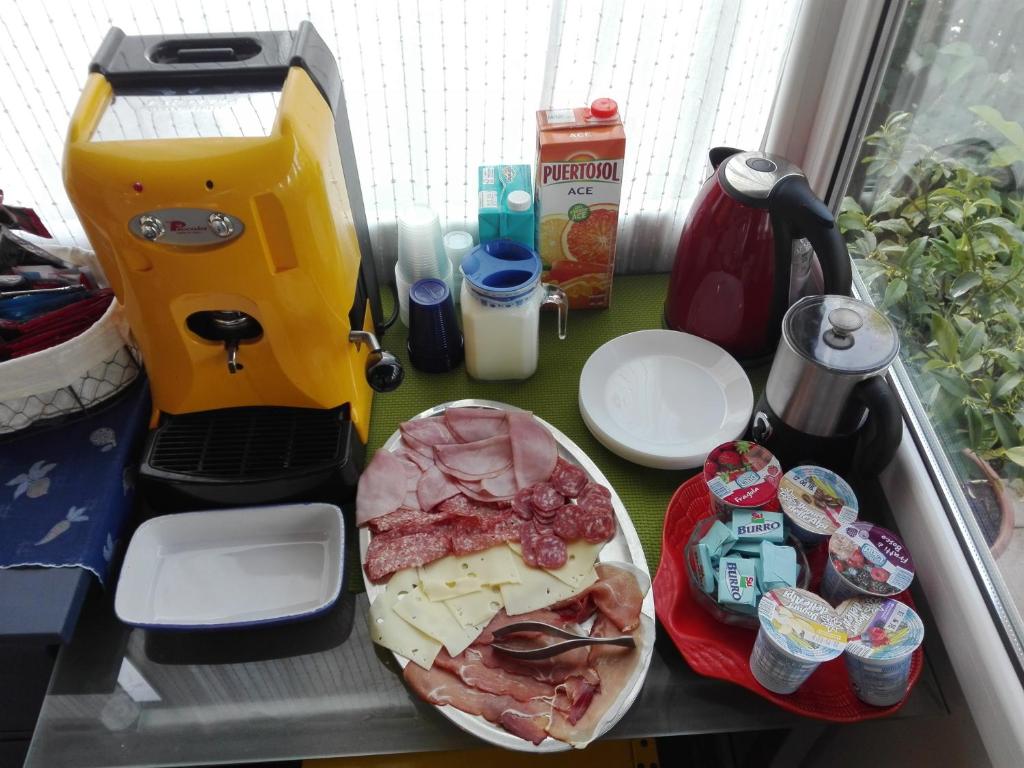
[(460, 505), (546, 498), (522, 503), (468, 536), (597, 526), (567, 523), (390, 553), (550, 552), (569, 480)]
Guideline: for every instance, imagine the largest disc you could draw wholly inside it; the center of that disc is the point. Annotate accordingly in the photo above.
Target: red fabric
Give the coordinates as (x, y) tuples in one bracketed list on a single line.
[(721, 651)]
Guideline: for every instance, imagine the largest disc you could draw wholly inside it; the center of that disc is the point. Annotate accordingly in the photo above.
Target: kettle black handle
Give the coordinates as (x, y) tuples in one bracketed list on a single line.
[(884, 425), (793, 200)]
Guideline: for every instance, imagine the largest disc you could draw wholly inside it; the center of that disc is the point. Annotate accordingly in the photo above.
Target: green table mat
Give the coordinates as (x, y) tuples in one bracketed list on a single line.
[(552, 392)]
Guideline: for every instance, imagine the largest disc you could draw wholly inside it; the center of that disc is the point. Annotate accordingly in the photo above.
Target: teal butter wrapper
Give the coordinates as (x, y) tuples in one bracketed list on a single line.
[(737, 582), (776, 567), (757, 526)]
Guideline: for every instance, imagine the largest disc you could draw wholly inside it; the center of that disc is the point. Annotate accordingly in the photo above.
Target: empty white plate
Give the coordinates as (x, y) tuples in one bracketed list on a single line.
[(664, 399), (232, 567)]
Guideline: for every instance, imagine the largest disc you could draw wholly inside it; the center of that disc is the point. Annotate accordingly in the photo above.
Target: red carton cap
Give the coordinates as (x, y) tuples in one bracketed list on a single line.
[(604, 109)]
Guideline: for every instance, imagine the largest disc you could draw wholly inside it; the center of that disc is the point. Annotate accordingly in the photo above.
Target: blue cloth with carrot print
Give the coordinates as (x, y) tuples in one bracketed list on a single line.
[(66, 490)]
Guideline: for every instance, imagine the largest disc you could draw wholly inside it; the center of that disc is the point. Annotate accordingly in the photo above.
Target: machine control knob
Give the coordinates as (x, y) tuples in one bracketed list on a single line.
[(151, 227), (221, 225)]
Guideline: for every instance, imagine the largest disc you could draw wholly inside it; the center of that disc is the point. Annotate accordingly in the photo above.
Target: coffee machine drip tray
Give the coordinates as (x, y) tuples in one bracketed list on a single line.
[(254, 455)]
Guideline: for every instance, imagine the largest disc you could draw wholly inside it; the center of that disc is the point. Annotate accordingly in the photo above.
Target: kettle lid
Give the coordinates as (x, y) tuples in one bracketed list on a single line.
[(841, 334), (750, 177)]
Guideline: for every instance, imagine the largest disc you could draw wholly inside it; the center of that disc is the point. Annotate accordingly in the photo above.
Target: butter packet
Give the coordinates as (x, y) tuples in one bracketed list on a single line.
[(737, 584), (759, 526), (776, 567), (718, 539)]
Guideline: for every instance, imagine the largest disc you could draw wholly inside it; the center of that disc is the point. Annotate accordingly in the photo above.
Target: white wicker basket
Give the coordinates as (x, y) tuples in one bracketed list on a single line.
[(73, 376)]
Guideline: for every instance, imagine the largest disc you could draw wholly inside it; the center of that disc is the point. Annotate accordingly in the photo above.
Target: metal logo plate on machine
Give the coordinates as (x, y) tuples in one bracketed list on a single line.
[(186, 226)]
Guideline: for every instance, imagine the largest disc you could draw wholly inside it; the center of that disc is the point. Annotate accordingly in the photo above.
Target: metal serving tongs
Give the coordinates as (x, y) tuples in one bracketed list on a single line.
[(572, 640)]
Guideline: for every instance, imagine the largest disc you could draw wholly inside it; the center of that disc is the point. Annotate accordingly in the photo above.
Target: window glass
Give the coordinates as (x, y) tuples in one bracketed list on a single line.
[(933, 219)]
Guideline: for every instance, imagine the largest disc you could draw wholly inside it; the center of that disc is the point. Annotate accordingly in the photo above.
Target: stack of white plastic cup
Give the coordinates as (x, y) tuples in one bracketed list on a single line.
[(421, 254), (457, 244)]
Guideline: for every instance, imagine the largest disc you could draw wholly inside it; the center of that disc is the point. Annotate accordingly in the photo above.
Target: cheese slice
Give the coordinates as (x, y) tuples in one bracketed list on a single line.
[(578, 566), (539, 589), (453, 576), (476, 608), (392, 631), (436, 620)]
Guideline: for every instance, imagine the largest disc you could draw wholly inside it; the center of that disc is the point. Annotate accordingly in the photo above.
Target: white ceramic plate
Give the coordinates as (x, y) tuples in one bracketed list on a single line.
[(227, 568), (623, 549), (664, 399)]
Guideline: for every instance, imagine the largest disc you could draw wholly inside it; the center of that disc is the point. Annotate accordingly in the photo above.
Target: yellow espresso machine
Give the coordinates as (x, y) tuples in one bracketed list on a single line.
[(215, 178)]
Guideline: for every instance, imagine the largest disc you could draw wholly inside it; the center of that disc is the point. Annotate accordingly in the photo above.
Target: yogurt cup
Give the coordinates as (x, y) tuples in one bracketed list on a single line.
[(883, 635), (816, 501), (742, 475), (865, 559), (798, 632)]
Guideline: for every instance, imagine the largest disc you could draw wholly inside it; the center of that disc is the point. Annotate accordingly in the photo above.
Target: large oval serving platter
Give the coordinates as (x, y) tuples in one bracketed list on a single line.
[(624, 548)]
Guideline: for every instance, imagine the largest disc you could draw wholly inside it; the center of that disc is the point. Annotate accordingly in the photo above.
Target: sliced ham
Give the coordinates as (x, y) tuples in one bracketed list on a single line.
[(433, 487), (424, 462), (472, 424), (573, 697), (416, 446), (527, 720), (534, 451), (470, 668), (553, 671), (475, 491), (501, 486), (381, 487), (431, 431), (389, 553), (476, 460)]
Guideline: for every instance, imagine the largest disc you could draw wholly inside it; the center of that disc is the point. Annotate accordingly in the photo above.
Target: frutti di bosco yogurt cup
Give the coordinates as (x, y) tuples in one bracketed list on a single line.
[(865, 559), (742, 476), (816, 501), (882, 636), (798, 631)]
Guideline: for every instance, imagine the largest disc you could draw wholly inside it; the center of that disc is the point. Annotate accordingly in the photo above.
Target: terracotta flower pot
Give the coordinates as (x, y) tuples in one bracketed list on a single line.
[(1006, 506)]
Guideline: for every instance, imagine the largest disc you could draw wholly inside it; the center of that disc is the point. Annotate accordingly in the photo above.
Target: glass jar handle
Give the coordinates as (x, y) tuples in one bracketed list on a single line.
[(555, 296)]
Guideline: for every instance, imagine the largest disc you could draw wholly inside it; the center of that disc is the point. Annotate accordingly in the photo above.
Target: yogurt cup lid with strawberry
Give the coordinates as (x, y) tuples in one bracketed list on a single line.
[(872, 559), (743, 474), (802, 624), (880, 628)]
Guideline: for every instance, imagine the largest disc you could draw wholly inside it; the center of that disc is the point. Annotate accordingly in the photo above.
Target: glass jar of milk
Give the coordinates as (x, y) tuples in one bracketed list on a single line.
[(501, 299)]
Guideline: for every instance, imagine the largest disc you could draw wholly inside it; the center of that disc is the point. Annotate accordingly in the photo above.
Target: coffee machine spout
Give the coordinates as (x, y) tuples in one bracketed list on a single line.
[(383, 370)]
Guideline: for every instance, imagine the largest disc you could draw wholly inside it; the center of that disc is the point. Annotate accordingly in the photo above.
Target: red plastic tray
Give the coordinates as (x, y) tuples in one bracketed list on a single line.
[(717, 650)]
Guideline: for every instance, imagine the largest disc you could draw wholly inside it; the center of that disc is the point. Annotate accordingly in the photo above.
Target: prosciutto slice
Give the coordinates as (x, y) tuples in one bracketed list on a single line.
[(476, 460), (470, 669), (615, 594), (534, 451), (527, 720), (381, 487), (433, 488)]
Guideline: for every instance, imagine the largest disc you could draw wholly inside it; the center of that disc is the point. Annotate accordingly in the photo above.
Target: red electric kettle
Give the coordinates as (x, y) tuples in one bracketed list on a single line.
[(741, 262)]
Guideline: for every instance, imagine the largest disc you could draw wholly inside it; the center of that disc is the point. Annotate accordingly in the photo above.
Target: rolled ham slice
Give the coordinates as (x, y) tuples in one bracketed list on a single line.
[(434, 487), (382, 487), (472, 424), (476, 460), (534, 451)]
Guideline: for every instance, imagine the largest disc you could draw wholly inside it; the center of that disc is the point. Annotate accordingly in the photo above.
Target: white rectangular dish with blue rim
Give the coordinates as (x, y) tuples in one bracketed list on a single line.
[(231, 568)]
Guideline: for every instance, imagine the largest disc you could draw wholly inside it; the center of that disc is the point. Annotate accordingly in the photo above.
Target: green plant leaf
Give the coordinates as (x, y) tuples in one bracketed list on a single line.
[(952, 384), (975, 429), (1005, 429), (1013, 131), (1006, 155), (945, 334), (1016, 454), (894, 291), (963, 284), (850, 222), (1007, 383), (973, 363), (896, 226)]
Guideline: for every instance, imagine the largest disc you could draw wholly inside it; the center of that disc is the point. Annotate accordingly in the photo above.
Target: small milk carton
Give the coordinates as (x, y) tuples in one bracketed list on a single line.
[(505, 204), (579, 181)]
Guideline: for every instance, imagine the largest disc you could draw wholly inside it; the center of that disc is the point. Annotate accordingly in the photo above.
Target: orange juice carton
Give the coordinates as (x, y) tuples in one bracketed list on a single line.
[(579, 181)]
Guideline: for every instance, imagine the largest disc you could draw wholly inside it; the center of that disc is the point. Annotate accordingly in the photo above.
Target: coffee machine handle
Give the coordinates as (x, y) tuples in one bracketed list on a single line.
[(884, 425), (793, 201)]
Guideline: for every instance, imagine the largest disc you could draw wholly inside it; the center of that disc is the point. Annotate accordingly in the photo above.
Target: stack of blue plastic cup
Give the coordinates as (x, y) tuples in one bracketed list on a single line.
[(435, 341)]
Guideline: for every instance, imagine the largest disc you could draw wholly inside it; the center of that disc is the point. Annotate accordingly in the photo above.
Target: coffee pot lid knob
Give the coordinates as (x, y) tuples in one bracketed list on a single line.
[(844, 320)]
